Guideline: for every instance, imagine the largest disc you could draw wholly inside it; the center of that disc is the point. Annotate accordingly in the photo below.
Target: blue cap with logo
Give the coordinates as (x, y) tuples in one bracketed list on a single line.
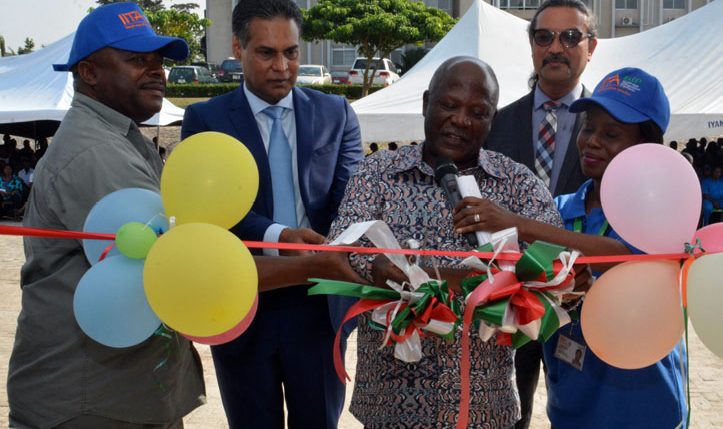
[(121, 26), (630, 95)]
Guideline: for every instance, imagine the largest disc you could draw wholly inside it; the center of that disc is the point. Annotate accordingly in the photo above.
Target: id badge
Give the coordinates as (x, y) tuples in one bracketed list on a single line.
[(570, 352)]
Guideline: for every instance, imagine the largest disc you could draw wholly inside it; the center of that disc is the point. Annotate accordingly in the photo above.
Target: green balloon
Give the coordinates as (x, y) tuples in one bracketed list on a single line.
[(135, 239)]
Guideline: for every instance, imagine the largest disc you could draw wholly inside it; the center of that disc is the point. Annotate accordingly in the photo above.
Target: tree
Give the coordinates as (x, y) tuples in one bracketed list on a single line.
[(412, 57), (146, 5), (2, 46), (376, 27), (178, 21), (185, 7), (181, 23), (28, 48)]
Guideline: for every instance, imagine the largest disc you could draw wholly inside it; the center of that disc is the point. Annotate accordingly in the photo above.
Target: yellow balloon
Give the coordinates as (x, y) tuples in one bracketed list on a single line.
[(200, 279), (209, 177)]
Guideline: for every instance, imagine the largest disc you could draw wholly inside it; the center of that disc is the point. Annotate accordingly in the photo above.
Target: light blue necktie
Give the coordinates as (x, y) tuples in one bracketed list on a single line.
[(282, 180)]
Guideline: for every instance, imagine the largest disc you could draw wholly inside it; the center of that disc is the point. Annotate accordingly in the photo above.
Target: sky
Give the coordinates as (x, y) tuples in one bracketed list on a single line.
[(46, 21)]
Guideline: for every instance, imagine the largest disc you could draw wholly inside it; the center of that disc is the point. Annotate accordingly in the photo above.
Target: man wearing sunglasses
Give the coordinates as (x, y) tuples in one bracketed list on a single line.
[(538, 130)]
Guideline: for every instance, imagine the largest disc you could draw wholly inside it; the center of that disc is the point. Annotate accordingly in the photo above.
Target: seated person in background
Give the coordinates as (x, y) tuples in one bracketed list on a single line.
[(11, 191), (588, 393), (26, 174), (398, 187), (712, 194)]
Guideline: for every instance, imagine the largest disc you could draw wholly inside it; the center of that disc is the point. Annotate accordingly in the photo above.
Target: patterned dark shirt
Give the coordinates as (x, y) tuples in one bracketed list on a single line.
[(398, 188)]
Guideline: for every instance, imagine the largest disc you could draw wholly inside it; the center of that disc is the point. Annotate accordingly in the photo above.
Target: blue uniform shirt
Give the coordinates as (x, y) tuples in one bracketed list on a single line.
[(599, 395)]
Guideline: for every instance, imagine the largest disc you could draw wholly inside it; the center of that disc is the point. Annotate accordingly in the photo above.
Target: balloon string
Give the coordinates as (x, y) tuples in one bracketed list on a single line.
[(50, 233), (685, 371)]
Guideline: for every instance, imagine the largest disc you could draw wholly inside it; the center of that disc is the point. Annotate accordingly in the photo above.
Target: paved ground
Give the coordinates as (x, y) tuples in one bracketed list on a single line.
[(706, 370)]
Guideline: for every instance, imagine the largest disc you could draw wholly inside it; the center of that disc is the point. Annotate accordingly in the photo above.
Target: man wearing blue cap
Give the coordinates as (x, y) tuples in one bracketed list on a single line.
[(57, 376)]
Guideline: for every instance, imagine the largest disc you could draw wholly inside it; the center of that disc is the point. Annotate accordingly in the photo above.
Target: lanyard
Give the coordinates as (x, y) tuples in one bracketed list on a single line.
[(577, 226)]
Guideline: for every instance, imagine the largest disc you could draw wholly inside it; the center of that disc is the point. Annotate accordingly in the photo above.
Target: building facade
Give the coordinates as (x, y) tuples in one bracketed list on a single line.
[(615, 18)]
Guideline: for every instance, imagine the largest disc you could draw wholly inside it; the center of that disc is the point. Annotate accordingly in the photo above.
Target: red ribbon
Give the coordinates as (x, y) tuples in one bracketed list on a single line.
[(436, 310), (50, 233)]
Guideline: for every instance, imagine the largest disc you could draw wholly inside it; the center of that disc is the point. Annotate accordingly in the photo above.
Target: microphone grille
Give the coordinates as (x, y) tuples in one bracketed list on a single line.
[(444, 166)]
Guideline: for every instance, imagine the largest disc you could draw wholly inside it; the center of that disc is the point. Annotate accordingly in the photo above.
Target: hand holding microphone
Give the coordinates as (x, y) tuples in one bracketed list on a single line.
[(445, 174)]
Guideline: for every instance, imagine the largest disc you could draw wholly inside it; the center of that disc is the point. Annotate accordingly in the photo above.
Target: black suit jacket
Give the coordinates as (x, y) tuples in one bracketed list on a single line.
[(511, 135)]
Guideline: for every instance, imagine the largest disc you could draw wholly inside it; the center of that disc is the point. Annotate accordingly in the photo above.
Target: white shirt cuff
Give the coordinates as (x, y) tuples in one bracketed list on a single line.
[(272, 236)]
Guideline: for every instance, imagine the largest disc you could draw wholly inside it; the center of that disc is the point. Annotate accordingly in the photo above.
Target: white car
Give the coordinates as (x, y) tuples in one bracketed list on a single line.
[(386, 71), (313, 74)]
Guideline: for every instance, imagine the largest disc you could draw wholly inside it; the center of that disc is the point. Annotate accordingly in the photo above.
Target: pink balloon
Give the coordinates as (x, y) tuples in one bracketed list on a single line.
[(652, 198), (232, 333), (632, 316), (711, 237)]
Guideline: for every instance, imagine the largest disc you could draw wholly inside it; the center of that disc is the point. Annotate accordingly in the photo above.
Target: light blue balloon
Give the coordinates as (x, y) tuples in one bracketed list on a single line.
[(110, 303), (117, 209)]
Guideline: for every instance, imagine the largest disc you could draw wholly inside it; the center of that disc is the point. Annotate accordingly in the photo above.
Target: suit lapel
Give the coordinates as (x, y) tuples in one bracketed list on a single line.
[(247, 131), (305, 113), (527, 150), (571, 164)]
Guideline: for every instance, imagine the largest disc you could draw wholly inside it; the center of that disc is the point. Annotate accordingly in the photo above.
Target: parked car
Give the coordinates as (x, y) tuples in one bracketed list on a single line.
[(386, 71), (190, 74), (313, 74), (230, 71), (340, 77)]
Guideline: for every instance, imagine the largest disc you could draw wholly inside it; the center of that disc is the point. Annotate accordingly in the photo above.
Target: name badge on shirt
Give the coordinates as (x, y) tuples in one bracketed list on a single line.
[(570, 352)]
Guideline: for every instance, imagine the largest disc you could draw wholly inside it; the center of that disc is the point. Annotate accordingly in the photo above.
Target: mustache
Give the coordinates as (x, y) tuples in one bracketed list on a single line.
[(557, 58)]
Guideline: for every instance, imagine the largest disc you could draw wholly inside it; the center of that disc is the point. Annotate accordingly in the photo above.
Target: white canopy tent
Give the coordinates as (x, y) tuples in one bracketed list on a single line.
[(685, 54), (32, 95)]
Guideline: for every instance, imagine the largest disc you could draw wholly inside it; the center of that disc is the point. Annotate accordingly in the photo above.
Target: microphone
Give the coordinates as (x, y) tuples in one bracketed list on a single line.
[(445, 174)]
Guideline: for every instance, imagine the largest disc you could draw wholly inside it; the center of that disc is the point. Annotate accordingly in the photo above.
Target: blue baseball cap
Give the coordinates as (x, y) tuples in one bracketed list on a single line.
[(629, 95), (121, 26)]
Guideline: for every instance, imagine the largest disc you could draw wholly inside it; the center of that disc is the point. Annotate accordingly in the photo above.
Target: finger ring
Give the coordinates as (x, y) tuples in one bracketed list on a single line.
[(476, 217)]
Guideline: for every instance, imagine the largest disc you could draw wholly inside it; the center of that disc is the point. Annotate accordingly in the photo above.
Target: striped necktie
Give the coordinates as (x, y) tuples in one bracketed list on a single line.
[(282, 180), (545, 147)]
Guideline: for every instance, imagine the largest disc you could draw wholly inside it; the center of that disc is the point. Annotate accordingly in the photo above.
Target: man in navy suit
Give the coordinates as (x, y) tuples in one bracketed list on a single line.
[(287, 353), (562, 37)]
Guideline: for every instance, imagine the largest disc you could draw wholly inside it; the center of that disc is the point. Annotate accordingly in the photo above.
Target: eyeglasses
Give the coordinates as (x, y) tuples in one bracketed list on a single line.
[(568, 38)]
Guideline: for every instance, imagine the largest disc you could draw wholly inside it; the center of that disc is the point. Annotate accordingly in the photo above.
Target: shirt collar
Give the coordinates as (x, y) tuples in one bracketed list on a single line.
[(258, 105), (409, 157), (567, 100), (576, 206), (115, 119)]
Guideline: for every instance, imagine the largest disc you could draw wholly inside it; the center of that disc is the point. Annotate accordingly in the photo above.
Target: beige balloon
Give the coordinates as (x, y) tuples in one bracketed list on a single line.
[(705, 295), (632, 316)]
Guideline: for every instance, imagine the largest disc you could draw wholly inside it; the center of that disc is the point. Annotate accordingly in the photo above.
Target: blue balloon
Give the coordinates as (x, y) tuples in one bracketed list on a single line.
[(117, 209), (110, 303)]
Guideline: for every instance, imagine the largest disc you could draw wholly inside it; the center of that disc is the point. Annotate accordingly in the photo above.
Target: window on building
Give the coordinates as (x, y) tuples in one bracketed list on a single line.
[(626, 4), (673, 4), (445, 5), (519, 4), (342, 55), (588, 3)]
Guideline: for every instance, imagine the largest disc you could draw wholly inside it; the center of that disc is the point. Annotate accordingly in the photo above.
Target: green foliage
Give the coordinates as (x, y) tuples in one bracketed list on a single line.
[(178, 21), (146, 5), (412, 57), (352, 92), (376, 27), (181, 23), (28, 48)]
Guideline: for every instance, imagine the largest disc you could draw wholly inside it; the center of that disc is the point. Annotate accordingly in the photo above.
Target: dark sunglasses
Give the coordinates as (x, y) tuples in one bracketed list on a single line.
[(568, 38)]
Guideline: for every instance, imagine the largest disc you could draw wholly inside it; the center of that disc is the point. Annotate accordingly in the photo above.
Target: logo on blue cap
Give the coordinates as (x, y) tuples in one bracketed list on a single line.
[(134, 19), (631, 96)]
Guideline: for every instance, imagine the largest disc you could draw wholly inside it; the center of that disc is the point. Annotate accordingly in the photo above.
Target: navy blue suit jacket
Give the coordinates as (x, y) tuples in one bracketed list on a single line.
[(328, 151), (511, 135)]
